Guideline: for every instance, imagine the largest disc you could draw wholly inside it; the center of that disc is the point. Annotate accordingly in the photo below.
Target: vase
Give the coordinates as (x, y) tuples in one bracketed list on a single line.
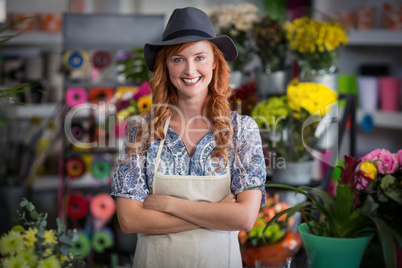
[(293, 173), (271, 84), (333, 252), (326, 76), (285, 248)]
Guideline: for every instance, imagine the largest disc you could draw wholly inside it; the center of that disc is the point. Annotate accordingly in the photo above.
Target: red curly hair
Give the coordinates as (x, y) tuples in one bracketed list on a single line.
[(164, 95)]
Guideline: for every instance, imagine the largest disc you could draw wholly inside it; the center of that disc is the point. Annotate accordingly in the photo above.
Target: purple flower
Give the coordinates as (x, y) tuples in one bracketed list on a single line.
[(399, 156), (383, 158)]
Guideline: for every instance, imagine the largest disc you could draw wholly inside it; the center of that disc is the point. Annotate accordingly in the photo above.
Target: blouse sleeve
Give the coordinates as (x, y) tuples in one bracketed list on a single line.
[(249, 163), (129, 179)]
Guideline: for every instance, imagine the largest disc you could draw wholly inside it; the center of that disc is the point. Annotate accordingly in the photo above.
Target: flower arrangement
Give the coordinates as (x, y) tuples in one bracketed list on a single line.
[(271, 43), (131, 101), (281, 119), (237, 23), (36, 246), (132, 67), (315, 44), (244, 98), (368, 201)]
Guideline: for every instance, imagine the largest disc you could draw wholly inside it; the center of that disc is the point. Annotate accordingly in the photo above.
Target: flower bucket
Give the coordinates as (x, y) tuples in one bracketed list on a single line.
[(332, 252), (293, 173), (285, 248), (271, 84)]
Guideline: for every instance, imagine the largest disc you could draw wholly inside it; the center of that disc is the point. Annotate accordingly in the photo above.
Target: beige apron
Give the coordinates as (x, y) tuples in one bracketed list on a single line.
[(196, 248)]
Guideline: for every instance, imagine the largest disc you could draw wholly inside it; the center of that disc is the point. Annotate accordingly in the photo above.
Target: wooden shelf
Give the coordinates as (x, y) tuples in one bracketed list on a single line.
[(35, 39)]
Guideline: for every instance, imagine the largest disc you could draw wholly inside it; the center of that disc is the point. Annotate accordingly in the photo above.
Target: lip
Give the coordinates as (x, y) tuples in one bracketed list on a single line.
[(191, 81)]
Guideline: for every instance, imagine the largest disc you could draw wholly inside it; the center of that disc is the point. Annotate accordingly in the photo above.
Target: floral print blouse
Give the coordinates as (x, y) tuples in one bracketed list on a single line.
[(133, 174)]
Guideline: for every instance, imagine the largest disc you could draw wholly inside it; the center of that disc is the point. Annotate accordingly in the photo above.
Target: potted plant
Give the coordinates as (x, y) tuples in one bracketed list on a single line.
[(286, 131), (278, 240), (315, 45), (271, 47), (368, 202)]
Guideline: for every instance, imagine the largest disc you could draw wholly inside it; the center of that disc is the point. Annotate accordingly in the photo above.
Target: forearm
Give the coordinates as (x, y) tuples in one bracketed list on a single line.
[(134, 218), (240, 215)]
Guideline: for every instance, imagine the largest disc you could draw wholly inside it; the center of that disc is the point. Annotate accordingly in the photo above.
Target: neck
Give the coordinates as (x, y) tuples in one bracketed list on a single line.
[(188, 110)]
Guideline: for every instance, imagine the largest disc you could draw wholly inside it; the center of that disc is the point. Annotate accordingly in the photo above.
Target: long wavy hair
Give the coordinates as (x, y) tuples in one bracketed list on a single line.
[(164, 97)]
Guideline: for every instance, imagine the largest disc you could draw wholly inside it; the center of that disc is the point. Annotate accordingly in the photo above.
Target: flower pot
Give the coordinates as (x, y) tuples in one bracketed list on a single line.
[(294, 173), (333, 252), (286, 248), (271, 84)]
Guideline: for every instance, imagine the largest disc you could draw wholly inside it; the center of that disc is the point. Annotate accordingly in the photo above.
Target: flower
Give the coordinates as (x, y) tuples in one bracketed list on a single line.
[(386, 162), (237, 23), (281, 119), (36, 246), (315, 43), (244, 98), (274, 233), (367, 202), (271, 43), (131, 101)]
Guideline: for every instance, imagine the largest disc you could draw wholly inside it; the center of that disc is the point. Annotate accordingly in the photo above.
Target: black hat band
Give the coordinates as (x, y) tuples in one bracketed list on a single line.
[(186, 33)]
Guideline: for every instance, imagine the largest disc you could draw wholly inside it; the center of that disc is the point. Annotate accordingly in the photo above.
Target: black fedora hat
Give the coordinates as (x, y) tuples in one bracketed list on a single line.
[(189, 25)]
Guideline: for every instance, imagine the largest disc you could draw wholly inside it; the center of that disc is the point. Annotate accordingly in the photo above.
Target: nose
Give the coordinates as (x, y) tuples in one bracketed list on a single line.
[(190, 68)]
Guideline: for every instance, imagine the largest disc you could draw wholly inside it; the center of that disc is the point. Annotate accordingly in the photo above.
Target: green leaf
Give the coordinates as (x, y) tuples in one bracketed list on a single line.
[(387, 242), (64, 250), (65, 240), (30, 207), (343, 203), (23, 203), (43, 224), (60, 226), (329, 202), (369, 206), (34, 215)]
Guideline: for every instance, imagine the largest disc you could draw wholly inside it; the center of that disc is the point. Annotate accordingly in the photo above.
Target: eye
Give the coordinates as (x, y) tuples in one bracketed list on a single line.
[(177, 60), (200, 58)]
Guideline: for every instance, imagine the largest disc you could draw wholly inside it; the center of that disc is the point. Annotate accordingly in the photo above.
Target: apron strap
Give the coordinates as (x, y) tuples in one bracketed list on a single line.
[(158, 156)]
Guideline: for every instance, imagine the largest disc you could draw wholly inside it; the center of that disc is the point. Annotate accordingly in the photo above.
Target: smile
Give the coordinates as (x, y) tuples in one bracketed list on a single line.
[(191, 81)]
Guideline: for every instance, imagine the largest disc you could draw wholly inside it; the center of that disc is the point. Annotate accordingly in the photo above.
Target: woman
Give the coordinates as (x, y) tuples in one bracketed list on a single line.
[(181, 177)]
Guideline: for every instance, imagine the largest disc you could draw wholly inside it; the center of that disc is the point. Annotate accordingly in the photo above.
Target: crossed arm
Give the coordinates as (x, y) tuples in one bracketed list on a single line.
[(161, 214)]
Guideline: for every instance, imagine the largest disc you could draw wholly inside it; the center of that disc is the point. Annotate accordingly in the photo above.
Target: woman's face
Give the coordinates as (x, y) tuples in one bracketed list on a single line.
[(190, 70)]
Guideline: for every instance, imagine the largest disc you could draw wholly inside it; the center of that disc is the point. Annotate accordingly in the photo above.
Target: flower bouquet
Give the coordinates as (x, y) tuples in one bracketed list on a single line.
[(131, 101), (32, 245), (237, 23), (282, 120), (368, 201), (315, 44), (278, 238), (271, 43)]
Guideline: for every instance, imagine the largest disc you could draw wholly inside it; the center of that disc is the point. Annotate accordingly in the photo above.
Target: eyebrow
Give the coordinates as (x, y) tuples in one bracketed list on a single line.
[(196, 54)]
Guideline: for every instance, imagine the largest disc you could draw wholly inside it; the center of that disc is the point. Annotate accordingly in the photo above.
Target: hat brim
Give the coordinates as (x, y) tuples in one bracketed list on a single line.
[(223, 42)]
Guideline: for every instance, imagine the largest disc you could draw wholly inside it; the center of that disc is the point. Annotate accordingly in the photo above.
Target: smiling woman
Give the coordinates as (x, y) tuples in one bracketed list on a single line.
[(180, 180)]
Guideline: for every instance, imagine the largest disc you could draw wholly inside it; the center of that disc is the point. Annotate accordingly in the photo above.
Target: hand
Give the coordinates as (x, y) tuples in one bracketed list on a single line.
[(230, 198), (156, 202)]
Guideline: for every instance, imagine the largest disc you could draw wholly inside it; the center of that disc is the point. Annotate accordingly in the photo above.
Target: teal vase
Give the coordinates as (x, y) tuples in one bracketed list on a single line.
[(333, 252)]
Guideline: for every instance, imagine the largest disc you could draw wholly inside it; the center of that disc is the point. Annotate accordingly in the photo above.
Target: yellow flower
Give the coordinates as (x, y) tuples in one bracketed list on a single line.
[(15, 262), (30, 237), (369, 170), (11, 243), (67, 258), (50, 238), (47, 252), (144, 104), (50, 262), (30, 256)]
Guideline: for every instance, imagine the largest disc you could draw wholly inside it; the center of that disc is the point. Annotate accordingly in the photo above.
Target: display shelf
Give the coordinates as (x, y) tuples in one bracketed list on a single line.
[(36, 110), (391, 120), (35, 39), (374, 37)]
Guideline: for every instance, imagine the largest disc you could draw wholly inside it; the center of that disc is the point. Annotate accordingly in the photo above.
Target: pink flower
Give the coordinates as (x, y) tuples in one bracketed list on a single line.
[(363, 183), (388, 160), (143, 90), (399, 156)]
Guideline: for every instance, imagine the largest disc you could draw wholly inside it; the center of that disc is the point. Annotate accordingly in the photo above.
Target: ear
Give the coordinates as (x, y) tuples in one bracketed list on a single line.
[(214, 65)]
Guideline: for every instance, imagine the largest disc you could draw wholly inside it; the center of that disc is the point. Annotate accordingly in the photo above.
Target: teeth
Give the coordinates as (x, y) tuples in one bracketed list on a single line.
[(191, 81)]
